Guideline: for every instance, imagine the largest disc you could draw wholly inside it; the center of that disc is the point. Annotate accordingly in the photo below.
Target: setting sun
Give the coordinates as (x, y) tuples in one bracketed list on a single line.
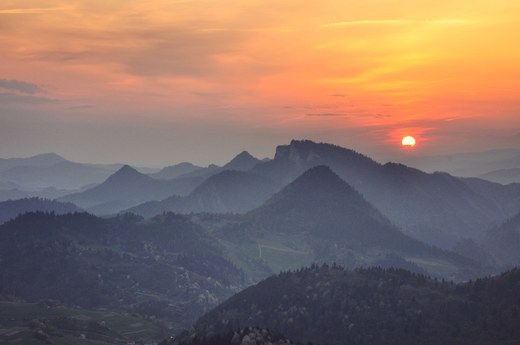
[(408, 141)]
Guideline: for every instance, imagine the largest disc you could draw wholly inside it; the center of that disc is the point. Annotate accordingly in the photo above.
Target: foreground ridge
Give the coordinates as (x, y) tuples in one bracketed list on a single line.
[(327, 304)]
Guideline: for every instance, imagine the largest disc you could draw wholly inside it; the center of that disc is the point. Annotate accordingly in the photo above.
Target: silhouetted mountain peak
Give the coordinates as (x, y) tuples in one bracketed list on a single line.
[(176, 170), (243, 161), (320, 201), (317, 186), (322, 179), (43, 159), (50, 156), (182, 165), (320, 172), (127, 173)]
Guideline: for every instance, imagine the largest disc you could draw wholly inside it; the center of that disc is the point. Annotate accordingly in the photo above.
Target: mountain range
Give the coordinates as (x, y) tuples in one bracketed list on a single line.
[(127, 188), (52, 170), (468, 164), (320, 218), (503, 176), (229, 191), (212, 231), (436, 208), (173, 171)]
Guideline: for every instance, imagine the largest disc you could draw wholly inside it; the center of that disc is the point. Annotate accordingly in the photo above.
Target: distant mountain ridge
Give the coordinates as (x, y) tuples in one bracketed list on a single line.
[(13, 208), (173, 171), (229, 191), (244, 161), (436, 208), (127, 188), (50, 170), (64, 175), (504, 176), (468, 164), (44, 159)]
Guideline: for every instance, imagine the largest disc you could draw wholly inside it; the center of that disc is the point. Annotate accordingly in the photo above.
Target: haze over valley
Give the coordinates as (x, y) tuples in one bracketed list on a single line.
[(165, 246)]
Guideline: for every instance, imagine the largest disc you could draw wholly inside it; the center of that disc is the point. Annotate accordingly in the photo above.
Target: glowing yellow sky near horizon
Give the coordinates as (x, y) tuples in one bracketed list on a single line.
[(399, 67)]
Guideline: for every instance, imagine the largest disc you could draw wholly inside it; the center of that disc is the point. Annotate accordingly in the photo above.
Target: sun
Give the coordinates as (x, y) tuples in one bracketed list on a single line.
[(408, 141)]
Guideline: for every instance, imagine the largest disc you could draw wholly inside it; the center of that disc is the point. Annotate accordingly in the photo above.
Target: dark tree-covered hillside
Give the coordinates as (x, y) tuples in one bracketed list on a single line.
[(167, 267), (330, 305)]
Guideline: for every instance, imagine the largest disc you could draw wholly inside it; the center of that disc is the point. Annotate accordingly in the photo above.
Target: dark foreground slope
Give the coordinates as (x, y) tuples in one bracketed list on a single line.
[(244, 336), (166, 268), (329, 305)]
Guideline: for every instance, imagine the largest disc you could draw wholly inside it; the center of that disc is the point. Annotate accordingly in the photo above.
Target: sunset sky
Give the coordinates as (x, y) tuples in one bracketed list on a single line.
[(158, 82)]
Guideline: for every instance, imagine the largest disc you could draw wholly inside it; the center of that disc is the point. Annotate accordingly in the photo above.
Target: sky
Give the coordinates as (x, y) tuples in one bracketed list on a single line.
[(160, 82)]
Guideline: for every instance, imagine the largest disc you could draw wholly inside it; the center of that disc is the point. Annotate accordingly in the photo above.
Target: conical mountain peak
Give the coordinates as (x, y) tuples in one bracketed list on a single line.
[(126, 170), (321, 175), (242, 162), (320, 202), (126, 173), (244, 154), (49, 156), (314, 189)]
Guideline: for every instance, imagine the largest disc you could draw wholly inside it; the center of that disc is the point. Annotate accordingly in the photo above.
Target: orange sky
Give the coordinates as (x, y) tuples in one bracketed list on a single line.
[(241, 74)]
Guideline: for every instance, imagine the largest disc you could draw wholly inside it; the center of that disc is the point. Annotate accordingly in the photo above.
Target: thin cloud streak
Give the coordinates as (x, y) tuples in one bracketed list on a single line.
[(33, 10), (325, 115), (19, 86), (7, 98), (399, 22)]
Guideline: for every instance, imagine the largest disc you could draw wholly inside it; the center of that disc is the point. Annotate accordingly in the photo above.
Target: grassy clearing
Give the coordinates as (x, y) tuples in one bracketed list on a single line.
[(15, 318), (436, 266)]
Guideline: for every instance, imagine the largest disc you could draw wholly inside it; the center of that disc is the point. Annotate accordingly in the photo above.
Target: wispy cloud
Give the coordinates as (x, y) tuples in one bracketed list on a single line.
[(399, 22), (7, 98), (325, 115), (167, 50), (19, 86), (81, 107), (36, 10)]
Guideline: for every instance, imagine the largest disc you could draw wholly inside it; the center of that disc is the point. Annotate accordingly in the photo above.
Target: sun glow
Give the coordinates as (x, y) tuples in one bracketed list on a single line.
[(408, 141)]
